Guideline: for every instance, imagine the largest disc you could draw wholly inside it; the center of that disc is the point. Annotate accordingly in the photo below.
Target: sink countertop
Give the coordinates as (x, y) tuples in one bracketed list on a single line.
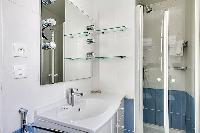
[(92, 123)]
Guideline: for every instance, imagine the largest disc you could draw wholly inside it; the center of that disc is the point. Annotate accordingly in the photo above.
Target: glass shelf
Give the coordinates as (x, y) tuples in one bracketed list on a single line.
[(100, 31), (77, 58), (112, 29), (104, 57), (81, 34), (99, 57)]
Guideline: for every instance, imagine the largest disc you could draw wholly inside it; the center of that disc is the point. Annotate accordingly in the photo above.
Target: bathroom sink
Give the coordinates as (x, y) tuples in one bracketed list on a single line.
[(88, 114), (85, 109)]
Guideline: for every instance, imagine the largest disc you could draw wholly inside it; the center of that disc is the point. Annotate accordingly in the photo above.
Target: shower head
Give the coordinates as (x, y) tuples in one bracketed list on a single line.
[(48, 2), (148, 8)]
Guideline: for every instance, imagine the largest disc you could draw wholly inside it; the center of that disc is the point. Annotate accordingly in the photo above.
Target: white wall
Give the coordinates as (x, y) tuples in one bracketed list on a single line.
[(117, 75), (82, 6), (22, 24), (1, 66), (113, 75)]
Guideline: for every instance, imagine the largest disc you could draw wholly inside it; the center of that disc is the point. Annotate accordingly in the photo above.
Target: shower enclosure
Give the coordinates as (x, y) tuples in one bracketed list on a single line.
[(167, 66)]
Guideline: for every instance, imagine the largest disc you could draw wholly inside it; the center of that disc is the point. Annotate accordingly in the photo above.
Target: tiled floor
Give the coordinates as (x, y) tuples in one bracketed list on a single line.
[(148, 128)]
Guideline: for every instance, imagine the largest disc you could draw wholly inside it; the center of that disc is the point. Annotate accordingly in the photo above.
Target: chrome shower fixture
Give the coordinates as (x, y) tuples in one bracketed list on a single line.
[(48, 2), (23, 112), (50, 22), (148, 9), (90, 55)]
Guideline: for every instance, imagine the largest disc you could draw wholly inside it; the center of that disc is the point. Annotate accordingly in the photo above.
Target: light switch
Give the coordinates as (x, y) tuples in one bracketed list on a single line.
[(20, 50), (20, 71)]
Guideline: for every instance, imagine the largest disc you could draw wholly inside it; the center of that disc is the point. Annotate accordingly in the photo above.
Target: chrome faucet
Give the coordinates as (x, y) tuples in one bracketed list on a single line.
[(71, 93)]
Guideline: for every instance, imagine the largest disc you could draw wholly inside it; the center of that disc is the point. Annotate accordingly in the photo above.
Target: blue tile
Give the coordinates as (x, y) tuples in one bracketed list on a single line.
[(150, 98), (159, 99), (183, 103), (145, 90), (149, 116), (181, 109), (145, 116), (190, 114), (171, 100), (18, 131), (159, 118), (176, 104), (129, 114), (192, 102), (176, 121), (170, 120), (188, 126), (30, 129), (149, 105), (189, 108), (183, 122)]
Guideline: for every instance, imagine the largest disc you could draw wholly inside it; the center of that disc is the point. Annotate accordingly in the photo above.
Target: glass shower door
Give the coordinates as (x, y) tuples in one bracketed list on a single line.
[(181, 68), (153, 73), (169, 68)]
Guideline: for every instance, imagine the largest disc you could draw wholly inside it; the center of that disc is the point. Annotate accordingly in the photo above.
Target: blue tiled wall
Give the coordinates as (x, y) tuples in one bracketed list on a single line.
[(181, 109), (128, 115), (28, 129)]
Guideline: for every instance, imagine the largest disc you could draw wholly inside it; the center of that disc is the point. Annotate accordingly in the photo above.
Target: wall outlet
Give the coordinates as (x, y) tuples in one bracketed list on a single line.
[(20, 50), (20, 71)]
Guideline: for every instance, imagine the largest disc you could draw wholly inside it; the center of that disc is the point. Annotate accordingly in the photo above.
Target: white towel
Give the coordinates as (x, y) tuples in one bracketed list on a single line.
[(179, 48)]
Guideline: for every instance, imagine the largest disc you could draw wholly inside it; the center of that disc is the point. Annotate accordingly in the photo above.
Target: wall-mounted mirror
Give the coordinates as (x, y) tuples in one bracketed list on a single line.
[(66, 42)]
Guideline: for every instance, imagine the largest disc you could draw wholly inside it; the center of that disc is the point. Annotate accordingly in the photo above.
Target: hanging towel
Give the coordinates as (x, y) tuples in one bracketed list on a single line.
[(179, 48), (176, 49)]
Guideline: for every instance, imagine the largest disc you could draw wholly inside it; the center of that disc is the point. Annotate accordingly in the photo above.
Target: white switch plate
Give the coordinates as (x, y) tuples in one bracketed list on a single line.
[(20, 50), (20, 71)]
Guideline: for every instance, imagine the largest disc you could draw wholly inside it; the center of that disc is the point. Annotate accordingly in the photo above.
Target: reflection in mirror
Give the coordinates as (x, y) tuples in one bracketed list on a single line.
[(60, 18), (80, 46)]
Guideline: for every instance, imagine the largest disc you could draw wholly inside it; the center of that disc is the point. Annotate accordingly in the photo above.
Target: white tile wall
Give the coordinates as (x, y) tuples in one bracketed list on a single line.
[(117, 75), (0, 66)]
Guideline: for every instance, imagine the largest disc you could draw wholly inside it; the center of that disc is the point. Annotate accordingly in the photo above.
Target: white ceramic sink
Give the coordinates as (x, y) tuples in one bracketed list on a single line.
[(85, 109), (89, 114)]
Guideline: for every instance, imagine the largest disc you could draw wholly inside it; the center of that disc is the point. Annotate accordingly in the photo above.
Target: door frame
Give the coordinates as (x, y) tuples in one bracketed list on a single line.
[(197, 66)]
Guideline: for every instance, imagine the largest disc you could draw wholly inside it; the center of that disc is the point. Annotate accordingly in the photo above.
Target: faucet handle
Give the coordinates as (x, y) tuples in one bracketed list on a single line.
[(76, 89), (73, 90)]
